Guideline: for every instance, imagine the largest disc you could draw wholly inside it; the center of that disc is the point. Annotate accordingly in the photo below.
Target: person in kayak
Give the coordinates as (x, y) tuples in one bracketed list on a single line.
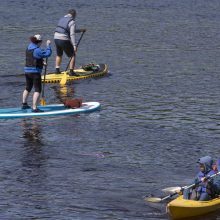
[(64, 38), (213, 186), (33, 68), (200, 192)]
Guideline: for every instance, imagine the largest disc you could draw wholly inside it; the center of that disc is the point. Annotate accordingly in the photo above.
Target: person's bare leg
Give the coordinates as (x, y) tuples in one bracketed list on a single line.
[(36, 98), (72, 63), (58, 62), (25, 96)]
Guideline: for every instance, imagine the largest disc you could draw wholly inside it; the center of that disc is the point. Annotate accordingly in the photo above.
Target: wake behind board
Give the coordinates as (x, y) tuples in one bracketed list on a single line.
[(81, 74), (49, 110)]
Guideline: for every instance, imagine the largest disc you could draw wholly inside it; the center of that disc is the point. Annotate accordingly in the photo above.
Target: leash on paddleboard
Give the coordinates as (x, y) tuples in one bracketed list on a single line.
[(155, 199), (43, 101), (64, 78)]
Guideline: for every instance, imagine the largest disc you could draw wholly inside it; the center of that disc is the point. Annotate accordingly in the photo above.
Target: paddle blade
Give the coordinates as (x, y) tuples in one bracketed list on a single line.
[(172, 189), (152, 199), (43, 101), (64, 79)]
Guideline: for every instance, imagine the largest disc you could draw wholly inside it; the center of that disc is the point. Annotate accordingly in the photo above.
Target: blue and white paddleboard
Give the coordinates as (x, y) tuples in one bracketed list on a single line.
[(49, 110)]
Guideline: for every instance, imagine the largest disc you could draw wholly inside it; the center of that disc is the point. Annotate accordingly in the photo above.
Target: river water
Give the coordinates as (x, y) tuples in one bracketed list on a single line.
[(160, 109)]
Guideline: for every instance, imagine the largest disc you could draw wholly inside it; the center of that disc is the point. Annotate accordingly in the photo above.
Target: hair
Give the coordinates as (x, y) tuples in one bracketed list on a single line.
[(72, 12), (34, 40)]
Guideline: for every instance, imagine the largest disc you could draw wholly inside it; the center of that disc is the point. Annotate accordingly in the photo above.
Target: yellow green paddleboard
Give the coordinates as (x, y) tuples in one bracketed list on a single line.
[(81, 74)]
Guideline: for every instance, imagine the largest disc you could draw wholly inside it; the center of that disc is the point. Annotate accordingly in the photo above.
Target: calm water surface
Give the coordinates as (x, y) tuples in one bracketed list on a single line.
[(160, 109)]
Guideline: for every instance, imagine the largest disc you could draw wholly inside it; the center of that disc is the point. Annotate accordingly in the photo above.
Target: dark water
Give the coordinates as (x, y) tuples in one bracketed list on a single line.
[(160, 109)]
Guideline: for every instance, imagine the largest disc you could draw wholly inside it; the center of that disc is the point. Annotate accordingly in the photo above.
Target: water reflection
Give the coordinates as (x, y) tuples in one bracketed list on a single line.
[(33, 145), (32, 133), (62, 92), (34, 160)]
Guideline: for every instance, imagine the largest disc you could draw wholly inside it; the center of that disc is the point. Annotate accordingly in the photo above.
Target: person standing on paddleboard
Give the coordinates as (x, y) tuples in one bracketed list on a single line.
[(64, 38), (33, 68)]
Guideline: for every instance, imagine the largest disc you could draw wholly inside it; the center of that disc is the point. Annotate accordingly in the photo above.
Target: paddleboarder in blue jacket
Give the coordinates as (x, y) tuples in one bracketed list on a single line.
[(33, 68)]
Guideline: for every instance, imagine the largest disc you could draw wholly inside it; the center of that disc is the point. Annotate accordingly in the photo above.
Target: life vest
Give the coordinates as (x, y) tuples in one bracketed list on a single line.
[(63, 27), (33, 62)]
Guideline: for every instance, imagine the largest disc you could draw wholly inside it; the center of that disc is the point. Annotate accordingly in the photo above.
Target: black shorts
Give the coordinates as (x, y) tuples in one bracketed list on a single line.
[(33, 79), (64, 45)]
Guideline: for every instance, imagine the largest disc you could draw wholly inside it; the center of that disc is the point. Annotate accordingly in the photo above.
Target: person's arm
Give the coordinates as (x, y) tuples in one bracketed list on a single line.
[(43, 53), (72, 27)]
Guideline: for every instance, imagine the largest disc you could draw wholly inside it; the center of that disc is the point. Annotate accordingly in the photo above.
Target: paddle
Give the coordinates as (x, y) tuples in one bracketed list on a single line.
[(64, 78), (172, 189), (155, 199), (43, 101)]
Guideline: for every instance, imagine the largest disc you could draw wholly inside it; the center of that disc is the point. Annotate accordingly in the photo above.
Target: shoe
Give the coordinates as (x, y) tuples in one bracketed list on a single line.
[(72, 73), (37, 110), (57, 71), (25, 106)]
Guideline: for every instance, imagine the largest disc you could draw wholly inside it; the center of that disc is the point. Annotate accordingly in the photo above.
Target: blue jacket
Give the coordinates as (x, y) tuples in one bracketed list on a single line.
[(207, 162), (38, 53)]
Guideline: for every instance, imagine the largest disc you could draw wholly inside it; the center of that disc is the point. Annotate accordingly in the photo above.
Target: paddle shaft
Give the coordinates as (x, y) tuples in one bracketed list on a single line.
[(182, 188), (45, 71), (76, 47), (169, 196)]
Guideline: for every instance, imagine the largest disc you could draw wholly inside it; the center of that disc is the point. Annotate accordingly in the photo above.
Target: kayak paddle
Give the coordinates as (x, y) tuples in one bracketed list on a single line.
[(172, 189), (64, 78), (43, 101), (155, 199)]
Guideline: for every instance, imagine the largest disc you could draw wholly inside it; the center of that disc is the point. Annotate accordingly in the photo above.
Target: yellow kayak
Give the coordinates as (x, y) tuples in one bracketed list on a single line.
[(182, 208), (81, 74)]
